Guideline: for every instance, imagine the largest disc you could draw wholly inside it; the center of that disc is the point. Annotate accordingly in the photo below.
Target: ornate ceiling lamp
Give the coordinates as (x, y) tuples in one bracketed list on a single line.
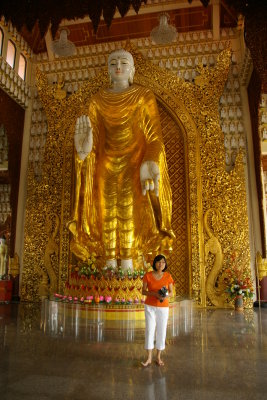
[(63, 47), (163, 33)]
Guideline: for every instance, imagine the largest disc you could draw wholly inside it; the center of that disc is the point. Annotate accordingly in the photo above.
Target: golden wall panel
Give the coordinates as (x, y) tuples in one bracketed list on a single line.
[(174, 141)]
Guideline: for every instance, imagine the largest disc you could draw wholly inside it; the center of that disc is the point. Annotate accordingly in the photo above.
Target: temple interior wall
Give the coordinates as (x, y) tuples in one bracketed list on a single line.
[(182, 58)]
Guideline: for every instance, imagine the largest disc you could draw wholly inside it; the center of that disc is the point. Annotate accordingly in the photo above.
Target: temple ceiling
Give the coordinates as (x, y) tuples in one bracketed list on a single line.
[(92, 22)]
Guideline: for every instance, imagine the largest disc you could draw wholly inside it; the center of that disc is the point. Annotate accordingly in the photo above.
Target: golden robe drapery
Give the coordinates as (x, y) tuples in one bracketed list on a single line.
[(111, 217)]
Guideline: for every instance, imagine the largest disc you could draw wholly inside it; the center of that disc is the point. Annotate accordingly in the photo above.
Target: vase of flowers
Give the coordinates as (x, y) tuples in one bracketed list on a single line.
[(238, 283), (239, 303)]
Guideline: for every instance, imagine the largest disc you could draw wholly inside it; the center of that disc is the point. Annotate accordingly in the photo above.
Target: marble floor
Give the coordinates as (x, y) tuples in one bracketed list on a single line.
[(210, 354)]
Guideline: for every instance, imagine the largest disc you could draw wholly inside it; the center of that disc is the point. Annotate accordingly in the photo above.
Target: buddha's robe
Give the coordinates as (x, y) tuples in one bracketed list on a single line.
[(111, 217)]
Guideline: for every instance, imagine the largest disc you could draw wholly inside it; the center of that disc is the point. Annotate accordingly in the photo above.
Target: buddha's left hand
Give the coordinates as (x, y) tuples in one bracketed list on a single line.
[(149, 177)]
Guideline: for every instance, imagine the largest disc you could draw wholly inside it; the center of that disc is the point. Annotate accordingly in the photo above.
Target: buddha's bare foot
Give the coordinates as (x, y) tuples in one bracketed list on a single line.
[(160, 363), (146, 363), (127, 265), (112, 263)]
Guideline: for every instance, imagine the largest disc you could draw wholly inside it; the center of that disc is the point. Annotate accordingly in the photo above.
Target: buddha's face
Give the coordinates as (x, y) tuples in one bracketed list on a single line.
[(120, 67)]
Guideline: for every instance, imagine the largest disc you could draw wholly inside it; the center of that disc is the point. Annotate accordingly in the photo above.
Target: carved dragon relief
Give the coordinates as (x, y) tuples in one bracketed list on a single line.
[(215, 289), (49, 280)]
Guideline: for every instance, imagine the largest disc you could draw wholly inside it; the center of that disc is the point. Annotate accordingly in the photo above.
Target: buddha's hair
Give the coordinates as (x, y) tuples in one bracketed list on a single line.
[(121, 52)]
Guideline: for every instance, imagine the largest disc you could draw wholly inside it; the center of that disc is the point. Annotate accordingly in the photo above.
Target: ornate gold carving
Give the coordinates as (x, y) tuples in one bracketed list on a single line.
[(201, 184), (50, 250), (216, 295)]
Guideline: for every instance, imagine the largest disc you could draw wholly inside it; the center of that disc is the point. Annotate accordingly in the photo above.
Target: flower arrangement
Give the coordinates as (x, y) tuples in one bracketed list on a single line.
[(95, 299), (90, 278), (89, 268), (237, 279)]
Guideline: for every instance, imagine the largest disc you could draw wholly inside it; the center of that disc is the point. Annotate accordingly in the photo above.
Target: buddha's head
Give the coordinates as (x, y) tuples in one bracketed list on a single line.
[(121, 66)]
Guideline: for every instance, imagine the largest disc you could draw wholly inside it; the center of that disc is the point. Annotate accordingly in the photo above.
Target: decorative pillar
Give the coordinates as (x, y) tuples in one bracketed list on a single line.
[(262, 282)]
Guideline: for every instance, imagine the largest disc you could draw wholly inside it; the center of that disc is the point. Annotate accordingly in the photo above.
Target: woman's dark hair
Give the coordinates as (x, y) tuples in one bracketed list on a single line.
[(158, 258)]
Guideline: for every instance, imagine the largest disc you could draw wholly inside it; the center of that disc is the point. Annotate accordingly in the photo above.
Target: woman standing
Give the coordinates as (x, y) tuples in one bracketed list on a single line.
[(156, 307)]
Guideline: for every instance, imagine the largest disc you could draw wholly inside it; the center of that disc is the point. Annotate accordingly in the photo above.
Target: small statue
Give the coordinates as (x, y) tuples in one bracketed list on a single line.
[(3, 256), (14, 268), (60, 93)]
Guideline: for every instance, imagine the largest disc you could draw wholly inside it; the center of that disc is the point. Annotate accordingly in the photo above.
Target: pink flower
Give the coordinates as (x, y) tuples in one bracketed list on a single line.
[(136, 300), (101, 298), (82, 299), (108, 299), (90, 298), (123, 300)]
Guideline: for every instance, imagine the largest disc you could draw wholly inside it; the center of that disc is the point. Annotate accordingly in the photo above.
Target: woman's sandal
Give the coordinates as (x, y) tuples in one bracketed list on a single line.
[(146, 364)]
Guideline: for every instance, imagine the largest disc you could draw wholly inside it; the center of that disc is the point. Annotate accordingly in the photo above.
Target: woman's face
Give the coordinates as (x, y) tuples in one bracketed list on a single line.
[(160, 265), (120, 68)]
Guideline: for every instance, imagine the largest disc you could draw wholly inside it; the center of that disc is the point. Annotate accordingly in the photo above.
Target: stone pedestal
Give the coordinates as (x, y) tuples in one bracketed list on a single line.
[(5, 291)]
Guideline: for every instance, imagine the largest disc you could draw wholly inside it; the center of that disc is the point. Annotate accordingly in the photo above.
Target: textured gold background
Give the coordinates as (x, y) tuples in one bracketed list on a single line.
[(174, 141)]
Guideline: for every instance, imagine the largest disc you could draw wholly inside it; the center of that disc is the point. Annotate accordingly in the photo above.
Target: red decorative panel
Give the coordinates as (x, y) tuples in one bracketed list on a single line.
[(12, 117), (34, 39), (139, 26), (264, 162), (193, 19)]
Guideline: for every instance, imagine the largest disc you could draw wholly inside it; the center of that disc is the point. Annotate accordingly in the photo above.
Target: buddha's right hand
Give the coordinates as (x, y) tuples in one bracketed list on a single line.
[(83, 137)]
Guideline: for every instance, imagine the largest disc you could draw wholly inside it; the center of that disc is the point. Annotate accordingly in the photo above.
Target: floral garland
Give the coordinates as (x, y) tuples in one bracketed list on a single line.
[(96, 300)]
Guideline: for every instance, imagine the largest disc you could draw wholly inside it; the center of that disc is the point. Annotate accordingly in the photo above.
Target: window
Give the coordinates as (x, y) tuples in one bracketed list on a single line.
[(22, 67), (1, 40), (11, 53)]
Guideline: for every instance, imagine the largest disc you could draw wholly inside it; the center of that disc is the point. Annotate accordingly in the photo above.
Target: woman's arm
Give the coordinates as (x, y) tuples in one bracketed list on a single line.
[(147, 292)]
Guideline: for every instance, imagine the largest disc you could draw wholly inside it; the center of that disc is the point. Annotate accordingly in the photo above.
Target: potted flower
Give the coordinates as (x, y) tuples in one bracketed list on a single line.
[(238, 283), (120, 274)]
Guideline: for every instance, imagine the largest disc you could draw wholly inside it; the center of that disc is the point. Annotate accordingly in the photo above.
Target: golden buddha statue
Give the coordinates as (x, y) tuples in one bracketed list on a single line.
[(123, 199)]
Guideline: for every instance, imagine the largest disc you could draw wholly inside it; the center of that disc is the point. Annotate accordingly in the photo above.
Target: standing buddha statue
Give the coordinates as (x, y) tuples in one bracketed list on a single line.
[(123, 199)]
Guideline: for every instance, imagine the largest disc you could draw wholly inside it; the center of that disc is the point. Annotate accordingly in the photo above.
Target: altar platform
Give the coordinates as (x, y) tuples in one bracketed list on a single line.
[(110, 322)]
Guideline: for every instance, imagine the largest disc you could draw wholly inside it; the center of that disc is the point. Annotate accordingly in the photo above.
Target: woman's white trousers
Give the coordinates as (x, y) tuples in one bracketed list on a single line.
[(156, 321)]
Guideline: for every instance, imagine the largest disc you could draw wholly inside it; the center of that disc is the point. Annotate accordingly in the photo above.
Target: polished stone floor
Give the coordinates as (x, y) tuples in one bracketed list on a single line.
[(210, 354)]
